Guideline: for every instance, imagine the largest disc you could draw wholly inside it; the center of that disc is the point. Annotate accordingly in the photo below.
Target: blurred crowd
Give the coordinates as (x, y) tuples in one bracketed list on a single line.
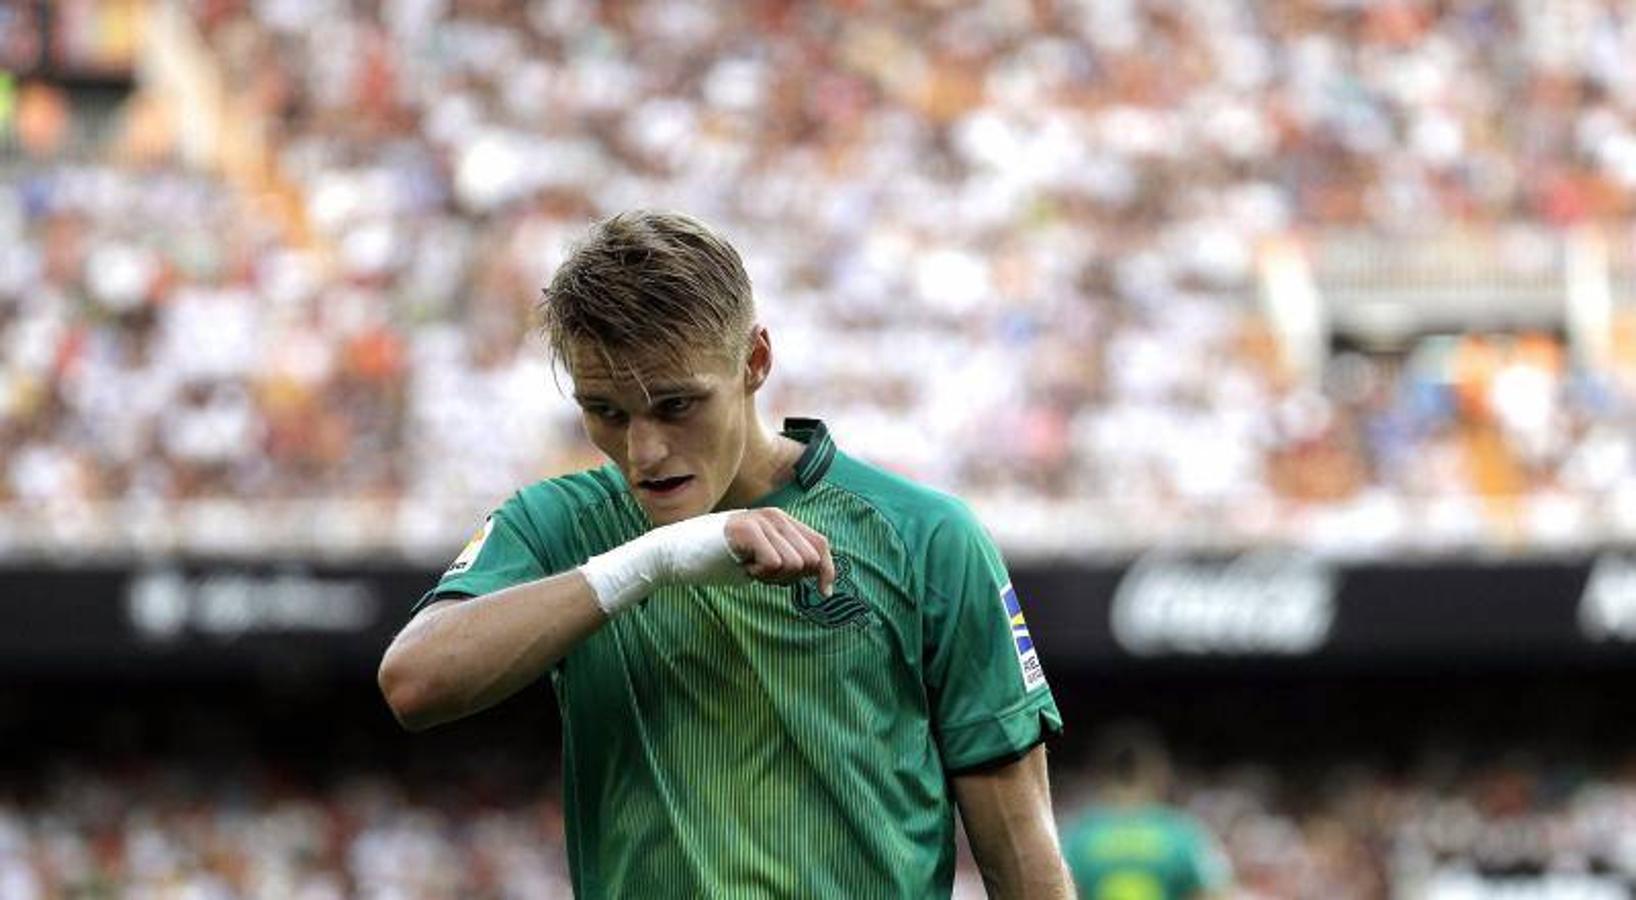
[(154, 831), (1520, 829), (1449, 830), (1009, 248)]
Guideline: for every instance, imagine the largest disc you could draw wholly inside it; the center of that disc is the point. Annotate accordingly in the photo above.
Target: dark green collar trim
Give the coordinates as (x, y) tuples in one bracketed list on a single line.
[(820, 452)]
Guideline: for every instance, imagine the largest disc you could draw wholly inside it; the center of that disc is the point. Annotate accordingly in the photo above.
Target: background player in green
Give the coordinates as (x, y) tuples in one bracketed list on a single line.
[(1131, 845), (780, 669)]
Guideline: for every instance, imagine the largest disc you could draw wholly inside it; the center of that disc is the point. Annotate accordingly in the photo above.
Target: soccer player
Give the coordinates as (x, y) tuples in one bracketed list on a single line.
[(1131, 846), (780, 669)]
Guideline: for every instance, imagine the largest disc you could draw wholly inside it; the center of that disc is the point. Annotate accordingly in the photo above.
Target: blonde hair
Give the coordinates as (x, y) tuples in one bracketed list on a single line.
[(660, 284)]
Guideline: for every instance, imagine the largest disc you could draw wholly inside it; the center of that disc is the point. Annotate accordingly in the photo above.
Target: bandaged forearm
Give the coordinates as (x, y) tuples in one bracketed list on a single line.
[(693, 551)]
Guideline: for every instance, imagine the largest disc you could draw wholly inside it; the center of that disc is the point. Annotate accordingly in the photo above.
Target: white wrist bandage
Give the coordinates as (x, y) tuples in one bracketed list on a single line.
[(692, 551)]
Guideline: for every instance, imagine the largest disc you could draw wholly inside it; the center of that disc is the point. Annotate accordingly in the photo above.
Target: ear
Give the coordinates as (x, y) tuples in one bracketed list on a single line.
[(759, 364)]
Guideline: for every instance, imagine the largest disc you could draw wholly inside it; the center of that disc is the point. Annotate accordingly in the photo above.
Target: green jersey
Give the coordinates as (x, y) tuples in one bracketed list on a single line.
[(763, 740), (1147, 853)]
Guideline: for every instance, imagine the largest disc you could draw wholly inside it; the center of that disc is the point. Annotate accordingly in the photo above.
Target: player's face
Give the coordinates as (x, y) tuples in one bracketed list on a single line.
[(676, 431)]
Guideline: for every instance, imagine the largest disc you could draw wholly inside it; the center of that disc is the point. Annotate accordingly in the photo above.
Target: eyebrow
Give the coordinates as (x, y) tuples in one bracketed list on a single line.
[(657, 392)]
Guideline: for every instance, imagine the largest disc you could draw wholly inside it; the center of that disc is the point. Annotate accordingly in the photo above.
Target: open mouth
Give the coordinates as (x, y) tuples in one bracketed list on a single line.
[(664, 486)]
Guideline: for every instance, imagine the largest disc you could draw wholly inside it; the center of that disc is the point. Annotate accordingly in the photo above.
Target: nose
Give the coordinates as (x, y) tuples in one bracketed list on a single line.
[(645, 444)]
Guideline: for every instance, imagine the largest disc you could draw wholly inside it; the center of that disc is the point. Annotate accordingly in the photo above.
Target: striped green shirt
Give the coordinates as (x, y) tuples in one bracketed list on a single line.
[(762, 740)]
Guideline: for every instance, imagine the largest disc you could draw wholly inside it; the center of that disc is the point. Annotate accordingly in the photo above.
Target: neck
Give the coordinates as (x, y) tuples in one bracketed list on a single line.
[(769, 463)]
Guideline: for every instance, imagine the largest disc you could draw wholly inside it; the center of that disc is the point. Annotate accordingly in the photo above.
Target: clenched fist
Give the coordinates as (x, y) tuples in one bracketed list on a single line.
[(774, 547)]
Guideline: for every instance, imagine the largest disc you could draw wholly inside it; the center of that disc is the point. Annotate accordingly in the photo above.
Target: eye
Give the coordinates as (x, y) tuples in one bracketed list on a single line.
[(605, 414), (675, 407)]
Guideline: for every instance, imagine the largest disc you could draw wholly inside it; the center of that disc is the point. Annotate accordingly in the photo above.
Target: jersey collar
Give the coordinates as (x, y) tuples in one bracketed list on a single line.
[(820, 452), (810, 467)]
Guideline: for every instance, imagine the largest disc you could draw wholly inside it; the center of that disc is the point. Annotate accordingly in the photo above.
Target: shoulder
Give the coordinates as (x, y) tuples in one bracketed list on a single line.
[(1183, 825), (576, 490), (1081, 823), (1083, 832), (553, 504), (922, 515)]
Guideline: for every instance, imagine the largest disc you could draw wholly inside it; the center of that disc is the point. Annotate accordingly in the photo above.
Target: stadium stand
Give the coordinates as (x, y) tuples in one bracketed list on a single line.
[(1023, 224)]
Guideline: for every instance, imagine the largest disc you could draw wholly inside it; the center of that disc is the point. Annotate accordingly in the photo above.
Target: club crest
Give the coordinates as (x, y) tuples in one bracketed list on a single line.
[(841, 608)]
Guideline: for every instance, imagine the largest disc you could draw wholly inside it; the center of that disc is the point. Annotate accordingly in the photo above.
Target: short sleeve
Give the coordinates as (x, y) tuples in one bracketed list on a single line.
[(499, 555), (988, 692)]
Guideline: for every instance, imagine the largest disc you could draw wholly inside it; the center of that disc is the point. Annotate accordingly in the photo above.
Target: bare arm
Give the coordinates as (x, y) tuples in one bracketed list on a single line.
[(459, 657), (1007, 814)]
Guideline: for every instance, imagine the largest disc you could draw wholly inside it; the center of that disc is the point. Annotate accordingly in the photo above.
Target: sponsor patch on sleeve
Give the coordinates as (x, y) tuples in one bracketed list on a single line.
[(1027, 658), (473, 547)]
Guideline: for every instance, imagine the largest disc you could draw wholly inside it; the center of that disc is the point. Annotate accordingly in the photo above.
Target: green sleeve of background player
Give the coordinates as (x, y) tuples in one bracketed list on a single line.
[(1211, 869), (988, 692), (504, 552)]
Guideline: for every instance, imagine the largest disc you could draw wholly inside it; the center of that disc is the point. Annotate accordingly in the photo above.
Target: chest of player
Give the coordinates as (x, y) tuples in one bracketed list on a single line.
[(714, 646), (715, 649)]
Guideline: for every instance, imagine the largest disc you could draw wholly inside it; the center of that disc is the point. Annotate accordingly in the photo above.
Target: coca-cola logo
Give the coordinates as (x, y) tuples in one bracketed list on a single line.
[(1263, 603)]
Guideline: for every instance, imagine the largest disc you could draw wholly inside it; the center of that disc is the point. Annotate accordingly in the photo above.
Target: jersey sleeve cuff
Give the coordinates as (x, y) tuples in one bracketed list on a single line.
[(434, 595), (458, 588), (1006, 734)]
